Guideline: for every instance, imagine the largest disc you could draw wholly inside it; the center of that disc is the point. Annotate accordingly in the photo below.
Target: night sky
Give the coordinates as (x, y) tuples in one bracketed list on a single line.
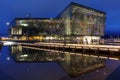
[(10, 9)]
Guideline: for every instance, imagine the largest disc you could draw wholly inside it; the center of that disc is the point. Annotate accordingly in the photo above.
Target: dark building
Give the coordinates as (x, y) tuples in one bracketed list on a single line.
[(76, 23)]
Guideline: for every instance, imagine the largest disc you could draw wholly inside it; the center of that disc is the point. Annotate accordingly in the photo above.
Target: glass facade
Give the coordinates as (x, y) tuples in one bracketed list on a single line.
[(83, 21), (75, 22), (39, 26), (85, 25), (87, 22)]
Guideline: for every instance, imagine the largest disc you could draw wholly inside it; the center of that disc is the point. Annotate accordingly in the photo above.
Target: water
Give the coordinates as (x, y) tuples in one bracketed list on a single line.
[(23, 63)]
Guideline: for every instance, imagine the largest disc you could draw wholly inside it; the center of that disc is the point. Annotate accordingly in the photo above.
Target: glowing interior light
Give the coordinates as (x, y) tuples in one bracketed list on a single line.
[(8, 43), (25, 55), (24, 24)]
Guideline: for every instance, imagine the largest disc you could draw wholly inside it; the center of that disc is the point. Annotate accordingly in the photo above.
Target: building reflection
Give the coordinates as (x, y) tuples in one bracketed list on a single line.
[(23, 54), (73, 63), (77, 64)]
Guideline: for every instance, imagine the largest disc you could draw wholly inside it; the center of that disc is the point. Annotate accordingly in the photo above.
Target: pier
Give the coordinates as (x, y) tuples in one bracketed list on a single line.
[(110, 52), (76, 47)]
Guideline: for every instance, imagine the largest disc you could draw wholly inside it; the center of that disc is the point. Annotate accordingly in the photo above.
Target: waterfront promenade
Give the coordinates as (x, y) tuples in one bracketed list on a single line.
[(107, 48), (100, 51)]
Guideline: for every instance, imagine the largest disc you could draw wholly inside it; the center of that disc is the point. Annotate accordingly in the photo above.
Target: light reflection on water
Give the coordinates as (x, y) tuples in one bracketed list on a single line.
[(73, 64), (18, 63)]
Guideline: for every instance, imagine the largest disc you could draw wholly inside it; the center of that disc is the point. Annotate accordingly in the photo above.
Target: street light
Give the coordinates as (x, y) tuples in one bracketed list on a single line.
[(27, 32), (8, 23), (9, 26)]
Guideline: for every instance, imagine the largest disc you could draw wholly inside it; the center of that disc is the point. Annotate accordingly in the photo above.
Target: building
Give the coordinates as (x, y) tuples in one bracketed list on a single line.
[(36, 28), (75, 24)]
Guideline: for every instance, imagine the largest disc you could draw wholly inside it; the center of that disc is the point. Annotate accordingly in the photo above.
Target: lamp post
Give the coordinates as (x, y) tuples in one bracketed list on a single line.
[(27, 32), (64, 40), (8, 25)]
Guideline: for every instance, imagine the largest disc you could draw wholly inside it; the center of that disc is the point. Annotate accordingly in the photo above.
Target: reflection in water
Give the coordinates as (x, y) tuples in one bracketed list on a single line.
[(73, 63), (1, 45), (77, 64), (25, 55)]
